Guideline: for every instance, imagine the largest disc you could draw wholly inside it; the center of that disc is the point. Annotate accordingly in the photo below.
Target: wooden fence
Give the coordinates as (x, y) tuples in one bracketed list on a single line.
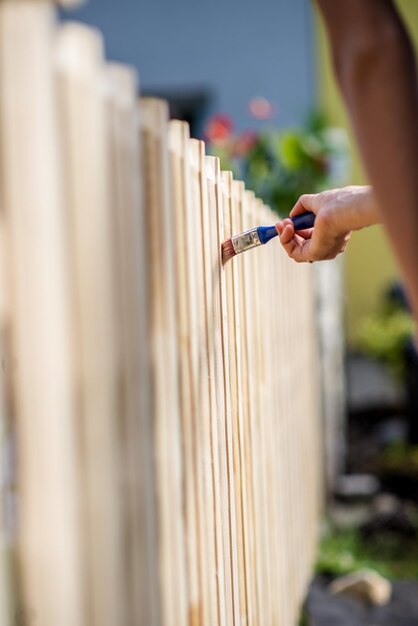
[(162, 411)]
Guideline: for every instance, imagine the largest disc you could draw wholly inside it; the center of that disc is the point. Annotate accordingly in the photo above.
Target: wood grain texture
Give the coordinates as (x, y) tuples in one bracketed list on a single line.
[(41, 311), (169, 459), (247, 278), (221, 406), (236, 358), (132, 278), (231, 397), (183, 233), (7, 595), (205, 391), (174, 593), (98, 364)]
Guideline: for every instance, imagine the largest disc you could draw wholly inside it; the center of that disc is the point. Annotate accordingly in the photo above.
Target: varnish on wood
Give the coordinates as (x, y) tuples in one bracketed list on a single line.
[(167, 474)]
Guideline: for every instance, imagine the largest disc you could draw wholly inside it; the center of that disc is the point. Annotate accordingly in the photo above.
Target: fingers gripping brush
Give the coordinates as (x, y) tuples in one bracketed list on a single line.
[(261, 235)]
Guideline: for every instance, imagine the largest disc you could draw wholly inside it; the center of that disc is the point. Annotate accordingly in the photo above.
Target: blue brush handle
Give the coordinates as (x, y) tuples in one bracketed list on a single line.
[(300, 222), (304, 220)]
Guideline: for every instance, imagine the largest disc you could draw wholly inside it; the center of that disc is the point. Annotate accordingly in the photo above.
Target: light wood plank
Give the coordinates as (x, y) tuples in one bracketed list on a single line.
[(187, 332), (132, 278), (222, 410), (234, 470), (174, 592), (98, 367), (201, 245), (248, 402), (253, 382), (7, 595), (270, 317), (44, 400), (237, 194)]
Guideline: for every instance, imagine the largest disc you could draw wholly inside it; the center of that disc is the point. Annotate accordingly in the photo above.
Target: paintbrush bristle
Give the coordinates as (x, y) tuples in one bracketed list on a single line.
[(227, 251)]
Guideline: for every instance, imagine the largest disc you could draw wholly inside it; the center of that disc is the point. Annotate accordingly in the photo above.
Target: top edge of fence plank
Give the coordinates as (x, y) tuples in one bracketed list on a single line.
[(196, 153), (238, 188), (178, 133), (80, 49), (213, 167), (226, 182), (62, 3), (249, 197), (124, 82), (154, 111), (69, 3)]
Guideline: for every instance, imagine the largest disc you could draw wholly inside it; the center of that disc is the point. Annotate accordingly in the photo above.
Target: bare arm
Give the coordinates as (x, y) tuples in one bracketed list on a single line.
[(375, 67)]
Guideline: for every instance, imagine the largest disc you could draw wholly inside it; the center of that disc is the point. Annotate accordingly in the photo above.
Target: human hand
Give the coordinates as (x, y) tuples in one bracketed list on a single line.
[(338, 212)]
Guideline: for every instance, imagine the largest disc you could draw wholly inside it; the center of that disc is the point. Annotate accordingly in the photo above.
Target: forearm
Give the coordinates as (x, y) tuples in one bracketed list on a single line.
[(349, 208), (376, 70)]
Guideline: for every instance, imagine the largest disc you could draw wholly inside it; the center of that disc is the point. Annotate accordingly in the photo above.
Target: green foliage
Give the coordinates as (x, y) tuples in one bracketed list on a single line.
[(280, 166), (344, 551), (399, 458), (303, 620), (384, 335)]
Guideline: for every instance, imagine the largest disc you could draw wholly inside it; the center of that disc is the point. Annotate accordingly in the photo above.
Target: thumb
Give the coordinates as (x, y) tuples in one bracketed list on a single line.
[(307, 202)]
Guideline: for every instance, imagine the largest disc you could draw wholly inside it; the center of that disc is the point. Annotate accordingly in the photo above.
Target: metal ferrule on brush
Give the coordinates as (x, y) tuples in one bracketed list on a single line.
[(245, 241)]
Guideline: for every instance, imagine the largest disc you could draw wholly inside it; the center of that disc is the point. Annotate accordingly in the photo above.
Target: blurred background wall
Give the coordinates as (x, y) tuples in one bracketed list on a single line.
[(208, 57)]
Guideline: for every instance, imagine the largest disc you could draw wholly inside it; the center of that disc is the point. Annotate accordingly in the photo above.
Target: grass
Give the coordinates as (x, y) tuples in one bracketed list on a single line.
[(303, 620), (344, 551)]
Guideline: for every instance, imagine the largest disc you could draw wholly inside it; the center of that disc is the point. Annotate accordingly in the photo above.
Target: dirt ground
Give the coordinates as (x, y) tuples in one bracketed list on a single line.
[(375, 418), (323, 609)]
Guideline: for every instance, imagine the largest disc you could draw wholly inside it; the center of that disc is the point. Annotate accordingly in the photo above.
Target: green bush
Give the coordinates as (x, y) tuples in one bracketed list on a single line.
[(384, 335), (344, 551)]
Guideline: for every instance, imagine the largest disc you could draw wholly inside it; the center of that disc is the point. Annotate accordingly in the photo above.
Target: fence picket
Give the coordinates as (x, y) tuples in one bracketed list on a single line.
[(206, 459), (131, 267), (98, 361), (40, 328), (171, 600), (219, 430)]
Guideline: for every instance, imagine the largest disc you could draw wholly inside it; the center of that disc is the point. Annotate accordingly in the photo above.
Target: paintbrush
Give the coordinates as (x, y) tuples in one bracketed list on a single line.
[(261, 235)]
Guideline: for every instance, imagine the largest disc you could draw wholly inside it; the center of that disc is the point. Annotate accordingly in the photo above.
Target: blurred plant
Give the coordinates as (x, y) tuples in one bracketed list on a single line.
[(384, 335), (399, 458), (281, 165), (345, 551), (303, 618)]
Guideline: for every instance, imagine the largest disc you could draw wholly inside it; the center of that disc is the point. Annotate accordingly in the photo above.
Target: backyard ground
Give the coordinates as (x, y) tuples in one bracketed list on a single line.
[(375, 526)]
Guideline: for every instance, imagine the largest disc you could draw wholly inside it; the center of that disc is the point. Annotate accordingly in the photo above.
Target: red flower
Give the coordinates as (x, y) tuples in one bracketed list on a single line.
[(244, 143), (218, 129)]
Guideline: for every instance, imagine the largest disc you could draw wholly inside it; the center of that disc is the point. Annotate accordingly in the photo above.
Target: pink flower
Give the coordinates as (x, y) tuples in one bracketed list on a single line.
[(262, 109), (219, 128), (244, 143)]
